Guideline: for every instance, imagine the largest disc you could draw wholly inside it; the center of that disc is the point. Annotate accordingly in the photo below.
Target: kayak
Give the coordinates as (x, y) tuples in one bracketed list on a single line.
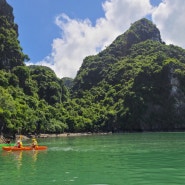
[(15, 148)]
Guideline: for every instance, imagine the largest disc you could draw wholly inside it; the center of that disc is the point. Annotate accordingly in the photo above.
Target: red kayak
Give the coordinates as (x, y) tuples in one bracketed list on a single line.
[(15, 148)]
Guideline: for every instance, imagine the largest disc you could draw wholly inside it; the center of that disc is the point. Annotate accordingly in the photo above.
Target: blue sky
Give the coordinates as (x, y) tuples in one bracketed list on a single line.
[(35, 19), (61, 33)]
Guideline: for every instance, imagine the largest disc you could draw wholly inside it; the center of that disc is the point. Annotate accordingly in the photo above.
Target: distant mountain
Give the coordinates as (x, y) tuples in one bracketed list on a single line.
[(68, 82)]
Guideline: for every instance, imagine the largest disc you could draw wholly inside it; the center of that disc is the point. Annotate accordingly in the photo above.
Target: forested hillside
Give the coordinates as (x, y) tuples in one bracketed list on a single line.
[(135, 84), (31, 98)]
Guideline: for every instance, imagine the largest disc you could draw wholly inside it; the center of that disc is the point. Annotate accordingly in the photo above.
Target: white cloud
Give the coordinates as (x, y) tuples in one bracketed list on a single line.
[(80, 39), (169, 18)]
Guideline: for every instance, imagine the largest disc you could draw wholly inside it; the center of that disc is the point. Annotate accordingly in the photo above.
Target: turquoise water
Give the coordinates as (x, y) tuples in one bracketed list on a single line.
[(122, 159)]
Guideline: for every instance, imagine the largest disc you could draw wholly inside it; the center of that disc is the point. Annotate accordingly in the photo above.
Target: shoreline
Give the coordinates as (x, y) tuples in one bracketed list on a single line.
[(70, 134), (26, 137), (30, 136)]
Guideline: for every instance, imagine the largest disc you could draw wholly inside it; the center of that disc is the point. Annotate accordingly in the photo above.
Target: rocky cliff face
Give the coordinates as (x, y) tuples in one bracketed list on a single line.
[(176, 92), (6, 10), (11, 54)]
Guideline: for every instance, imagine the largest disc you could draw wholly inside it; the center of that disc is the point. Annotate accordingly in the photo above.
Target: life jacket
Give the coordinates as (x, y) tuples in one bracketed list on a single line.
[(19, 144), (34, 144)]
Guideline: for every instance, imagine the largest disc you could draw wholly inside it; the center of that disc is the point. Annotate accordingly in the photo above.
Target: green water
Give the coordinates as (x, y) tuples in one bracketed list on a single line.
[(122, 159)]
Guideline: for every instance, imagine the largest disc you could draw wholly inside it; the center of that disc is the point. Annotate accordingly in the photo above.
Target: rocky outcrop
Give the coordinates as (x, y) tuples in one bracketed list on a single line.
[(6, 10)]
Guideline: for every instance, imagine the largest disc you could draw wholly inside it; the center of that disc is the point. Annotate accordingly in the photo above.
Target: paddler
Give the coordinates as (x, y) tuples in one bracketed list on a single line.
[(34, 143), (19, 144)]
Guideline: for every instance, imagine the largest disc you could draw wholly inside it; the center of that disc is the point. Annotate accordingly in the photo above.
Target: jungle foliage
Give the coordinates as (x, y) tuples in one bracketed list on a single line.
[(135, 84)]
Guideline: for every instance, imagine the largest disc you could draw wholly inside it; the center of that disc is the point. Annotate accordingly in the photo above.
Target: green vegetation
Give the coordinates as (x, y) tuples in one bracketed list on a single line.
[(135, 84)]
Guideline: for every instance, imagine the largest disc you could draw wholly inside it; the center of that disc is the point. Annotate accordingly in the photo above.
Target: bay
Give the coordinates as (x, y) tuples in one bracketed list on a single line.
[(113, 159)]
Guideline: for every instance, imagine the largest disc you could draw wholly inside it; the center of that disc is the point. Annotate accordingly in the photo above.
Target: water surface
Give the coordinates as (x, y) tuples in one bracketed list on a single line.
[(120, 159)]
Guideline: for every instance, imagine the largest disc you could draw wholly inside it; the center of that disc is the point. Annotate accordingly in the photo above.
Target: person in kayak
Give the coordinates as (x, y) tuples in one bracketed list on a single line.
[(34, 143), (19, 144)]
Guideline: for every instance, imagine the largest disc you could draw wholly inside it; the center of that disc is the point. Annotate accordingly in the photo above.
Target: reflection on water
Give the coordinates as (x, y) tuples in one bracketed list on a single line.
[(34, 155), (17, 156), (18, 166)]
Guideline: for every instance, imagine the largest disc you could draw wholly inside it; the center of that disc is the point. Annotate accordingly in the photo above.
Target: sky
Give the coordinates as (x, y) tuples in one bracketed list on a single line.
[(61, 33)]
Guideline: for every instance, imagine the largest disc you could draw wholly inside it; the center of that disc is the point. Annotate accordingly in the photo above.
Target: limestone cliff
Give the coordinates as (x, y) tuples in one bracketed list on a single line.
[(6, 10)]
